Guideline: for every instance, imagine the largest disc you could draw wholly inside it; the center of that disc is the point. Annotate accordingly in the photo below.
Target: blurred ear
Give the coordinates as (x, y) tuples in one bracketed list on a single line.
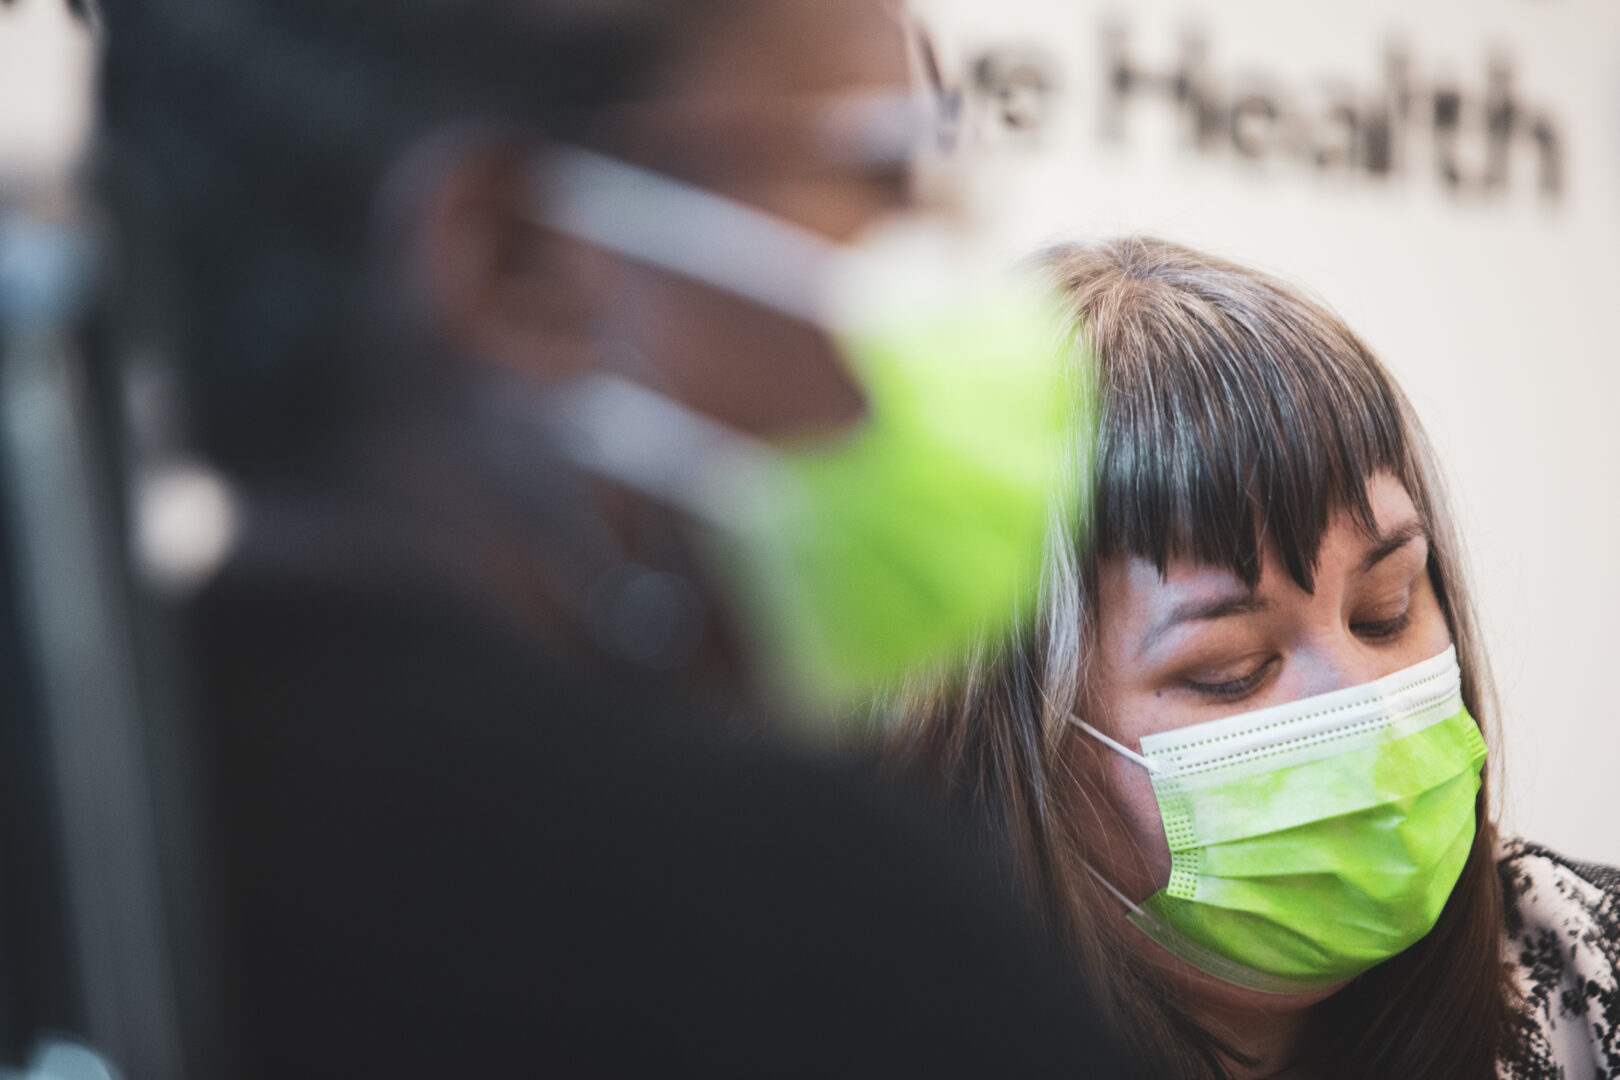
[(492, 282)]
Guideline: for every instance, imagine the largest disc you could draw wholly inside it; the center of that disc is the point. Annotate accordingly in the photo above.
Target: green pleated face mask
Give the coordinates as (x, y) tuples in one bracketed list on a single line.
[(856, 557), (1310, 841)]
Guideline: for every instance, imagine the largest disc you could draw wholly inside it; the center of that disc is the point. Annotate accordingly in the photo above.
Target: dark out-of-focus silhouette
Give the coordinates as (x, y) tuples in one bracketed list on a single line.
[(450, 766)]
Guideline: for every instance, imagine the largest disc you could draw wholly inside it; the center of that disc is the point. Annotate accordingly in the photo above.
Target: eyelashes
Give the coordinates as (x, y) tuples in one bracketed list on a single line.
[(1236, 689), (1387, 628)]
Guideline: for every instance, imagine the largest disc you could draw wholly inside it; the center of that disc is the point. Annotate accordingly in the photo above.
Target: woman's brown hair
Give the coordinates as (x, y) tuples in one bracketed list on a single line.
[(1231, 412)]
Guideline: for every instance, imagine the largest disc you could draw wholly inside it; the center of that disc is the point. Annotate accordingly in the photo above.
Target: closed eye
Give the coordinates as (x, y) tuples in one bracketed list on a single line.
[(1383, 629), (1233, 689)]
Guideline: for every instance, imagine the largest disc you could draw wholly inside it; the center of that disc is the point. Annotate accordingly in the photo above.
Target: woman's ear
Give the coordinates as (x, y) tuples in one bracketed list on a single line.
[(490, 280)]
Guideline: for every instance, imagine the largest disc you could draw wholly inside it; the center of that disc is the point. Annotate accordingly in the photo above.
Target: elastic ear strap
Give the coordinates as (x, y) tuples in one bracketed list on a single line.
[(1121, 897), (683, 229), (1147, 763), (653, 444)]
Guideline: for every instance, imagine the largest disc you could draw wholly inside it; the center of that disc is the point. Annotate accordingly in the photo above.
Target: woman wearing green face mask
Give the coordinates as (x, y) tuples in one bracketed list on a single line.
[(1239, 764)]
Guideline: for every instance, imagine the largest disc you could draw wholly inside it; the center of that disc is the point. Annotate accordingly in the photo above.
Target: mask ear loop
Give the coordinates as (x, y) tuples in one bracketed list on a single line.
[(1146, 762), (685, 230), (1121, 897)]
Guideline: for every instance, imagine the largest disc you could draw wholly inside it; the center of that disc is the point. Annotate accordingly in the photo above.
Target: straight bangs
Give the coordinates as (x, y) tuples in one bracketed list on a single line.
[(1234, 411)]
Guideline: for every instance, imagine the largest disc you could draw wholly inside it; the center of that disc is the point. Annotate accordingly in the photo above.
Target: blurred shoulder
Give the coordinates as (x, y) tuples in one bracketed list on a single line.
[(1561, 924)]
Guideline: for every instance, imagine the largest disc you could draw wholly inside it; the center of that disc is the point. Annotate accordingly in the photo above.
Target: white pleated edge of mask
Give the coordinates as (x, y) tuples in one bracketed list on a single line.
[(1409, 700)]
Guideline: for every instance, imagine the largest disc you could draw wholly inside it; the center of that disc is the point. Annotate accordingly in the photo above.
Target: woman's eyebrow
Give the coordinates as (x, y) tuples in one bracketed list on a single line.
[(1200, 610), (1392, 542)]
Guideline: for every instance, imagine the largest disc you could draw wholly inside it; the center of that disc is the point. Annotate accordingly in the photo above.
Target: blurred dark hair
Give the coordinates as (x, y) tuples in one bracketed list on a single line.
[(244, 144)]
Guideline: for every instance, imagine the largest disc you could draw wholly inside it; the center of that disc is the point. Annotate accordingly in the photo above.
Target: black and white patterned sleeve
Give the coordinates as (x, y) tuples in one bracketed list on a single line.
[(1562, 938)]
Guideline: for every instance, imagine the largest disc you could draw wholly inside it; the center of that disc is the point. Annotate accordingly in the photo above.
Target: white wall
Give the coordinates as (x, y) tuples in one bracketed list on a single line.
[(1496, 310)]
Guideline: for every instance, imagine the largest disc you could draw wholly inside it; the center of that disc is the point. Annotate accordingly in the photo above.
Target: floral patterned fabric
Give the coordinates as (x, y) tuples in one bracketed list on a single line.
[(1562, 936)]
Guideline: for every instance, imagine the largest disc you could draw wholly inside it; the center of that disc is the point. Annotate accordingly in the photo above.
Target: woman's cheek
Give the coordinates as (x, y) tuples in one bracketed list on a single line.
[(1144, 863)]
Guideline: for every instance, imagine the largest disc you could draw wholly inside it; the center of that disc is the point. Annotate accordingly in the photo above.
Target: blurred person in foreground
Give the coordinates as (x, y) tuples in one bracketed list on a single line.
[(1241, 761), (460, 685)]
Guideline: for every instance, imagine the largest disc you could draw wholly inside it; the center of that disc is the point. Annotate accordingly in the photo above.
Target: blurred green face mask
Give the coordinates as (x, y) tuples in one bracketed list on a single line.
[(856, 557), (1315, 839)]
